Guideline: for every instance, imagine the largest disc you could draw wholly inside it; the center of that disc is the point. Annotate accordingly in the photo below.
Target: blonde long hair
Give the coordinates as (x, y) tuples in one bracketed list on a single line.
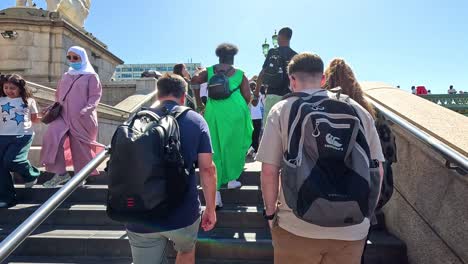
[(340, 74)]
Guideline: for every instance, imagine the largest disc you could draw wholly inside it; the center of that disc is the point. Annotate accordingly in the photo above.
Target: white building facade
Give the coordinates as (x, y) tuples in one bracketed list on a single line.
[(133, 71)]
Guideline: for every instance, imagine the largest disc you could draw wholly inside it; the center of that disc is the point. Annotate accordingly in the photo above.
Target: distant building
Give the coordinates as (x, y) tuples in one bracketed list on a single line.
[(133, 71)]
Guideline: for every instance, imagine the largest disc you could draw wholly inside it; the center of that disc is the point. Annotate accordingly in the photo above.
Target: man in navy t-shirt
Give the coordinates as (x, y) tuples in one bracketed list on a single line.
[(149, 242)]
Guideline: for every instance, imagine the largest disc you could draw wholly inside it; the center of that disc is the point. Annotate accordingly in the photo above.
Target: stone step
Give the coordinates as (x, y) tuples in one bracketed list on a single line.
[(108, 260), (248, 177), (227, 244), (246, 195), (233, 216), (223, 243)]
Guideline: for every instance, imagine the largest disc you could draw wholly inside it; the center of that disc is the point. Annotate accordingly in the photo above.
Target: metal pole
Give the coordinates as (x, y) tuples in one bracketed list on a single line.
[(10, 243), (447, 152)]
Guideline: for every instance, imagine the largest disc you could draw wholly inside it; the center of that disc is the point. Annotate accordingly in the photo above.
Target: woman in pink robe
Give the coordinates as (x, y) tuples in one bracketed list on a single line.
[(76, 129)]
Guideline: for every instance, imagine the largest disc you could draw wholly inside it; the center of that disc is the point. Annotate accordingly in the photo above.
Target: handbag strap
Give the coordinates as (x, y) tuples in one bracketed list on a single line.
[(71, 86)]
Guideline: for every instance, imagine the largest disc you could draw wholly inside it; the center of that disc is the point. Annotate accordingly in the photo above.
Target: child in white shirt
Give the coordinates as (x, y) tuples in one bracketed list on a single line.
[(18, 112)]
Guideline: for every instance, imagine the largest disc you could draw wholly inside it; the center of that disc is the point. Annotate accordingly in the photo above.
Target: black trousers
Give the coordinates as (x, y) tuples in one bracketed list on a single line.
[(257, 124)]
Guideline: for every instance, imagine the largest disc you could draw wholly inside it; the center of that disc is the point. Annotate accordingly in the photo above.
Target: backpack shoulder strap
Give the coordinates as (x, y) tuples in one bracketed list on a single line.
[(295, 94), (301, 94), (179, 110)]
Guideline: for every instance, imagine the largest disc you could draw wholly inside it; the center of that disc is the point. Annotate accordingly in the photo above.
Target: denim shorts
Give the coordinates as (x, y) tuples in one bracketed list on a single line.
[(152, 247)]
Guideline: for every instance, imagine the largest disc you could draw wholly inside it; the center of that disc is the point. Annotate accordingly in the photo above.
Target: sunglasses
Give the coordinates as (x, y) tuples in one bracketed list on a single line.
[(73, 57)]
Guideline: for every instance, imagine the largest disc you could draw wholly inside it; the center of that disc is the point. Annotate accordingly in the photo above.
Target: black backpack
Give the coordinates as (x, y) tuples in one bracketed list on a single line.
[(275, 74), (218, 85), (147, 173), (387, 141)]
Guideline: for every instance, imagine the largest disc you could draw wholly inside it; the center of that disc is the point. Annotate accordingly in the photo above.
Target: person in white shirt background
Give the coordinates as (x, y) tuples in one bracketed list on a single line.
[(19, 111), (451, 90), (256, 107), (204, 92)]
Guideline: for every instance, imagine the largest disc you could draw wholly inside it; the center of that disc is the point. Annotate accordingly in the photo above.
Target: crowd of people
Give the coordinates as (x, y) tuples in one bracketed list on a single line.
[(257, 118), (421, 90)]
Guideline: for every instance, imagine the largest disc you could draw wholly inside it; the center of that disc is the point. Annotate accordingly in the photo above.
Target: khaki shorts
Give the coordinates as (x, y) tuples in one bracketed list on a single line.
[(152, 247), (270, 101), (289, 248)]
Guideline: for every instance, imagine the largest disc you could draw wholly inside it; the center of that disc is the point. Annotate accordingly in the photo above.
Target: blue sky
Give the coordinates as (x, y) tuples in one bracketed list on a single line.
[(400, 42)]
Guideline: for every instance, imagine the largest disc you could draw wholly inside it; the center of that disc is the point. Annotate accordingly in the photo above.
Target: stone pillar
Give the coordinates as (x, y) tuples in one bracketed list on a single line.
[(146, 85), (42, 39)]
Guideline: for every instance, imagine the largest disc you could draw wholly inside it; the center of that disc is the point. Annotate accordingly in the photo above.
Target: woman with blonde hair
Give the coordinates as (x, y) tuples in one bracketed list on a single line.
[(339, 74)]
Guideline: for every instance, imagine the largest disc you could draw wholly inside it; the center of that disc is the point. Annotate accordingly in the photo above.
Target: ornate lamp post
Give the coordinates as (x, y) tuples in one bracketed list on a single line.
[(274, 39), (266, 46)]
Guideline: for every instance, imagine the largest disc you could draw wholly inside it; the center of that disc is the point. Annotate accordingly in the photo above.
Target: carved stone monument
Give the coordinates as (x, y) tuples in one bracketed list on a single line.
[(23, 3), (75, 11), (34, 42)]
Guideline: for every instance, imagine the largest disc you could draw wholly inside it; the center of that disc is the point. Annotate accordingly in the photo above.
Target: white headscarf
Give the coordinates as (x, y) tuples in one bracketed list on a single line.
[(86, 67)]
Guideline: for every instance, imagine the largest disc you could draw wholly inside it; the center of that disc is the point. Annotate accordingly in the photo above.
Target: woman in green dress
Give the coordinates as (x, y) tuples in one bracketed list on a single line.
[(228, 119)]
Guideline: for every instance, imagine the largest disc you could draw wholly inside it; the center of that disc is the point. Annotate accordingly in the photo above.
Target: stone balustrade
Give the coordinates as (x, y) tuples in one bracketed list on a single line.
[(455, 102)]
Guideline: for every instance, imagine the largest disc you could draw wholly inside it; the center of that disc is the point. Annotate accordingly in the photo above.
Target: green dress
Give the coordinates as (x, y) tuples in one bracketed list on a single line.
[(230, 130)]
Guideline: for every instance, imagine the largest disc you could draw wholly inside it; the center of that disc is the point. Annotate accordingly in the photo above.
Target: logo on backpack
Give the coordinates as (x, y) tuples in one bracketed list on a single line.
[(147, 173), (327, 176), (333, 142), (130, 202)]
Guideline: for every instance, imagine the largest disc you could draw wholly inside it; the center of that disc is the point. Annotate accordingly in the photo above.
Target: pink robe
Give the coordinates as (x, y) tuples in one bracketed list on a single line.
[(77, 126)]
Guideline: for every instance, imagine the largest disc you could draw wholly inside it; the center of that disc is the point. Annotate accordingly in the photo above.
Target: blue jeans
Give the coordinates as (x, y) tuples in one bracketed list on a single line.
[(14, 158)]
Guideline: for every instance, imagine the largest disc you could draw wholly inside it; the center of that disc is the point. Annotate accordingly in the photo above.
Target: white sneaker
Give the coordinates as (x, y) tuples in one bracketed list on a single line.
[(56, 180), (30, 184), (234, 184), (251, 151), (219, 202)]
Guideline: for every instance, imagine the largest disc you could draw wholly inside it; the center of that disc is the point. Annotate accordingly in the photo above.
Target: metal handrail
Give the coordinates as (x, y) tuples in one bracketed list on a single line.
[(10, 243), (452, 156)]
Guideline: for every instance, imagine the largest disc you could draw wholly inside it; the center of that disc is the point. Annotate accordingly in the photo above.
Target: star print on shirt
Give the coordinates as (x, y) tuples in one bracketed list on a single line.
[(5, 120), (18, 118), (24, 106), (7, 107)]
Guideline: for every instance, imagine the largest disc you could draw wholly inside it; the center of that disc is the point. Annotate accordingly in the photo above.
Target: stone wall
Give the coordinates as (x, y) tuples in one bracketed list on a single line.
[(43, 38), (429, 209), (112, 92)]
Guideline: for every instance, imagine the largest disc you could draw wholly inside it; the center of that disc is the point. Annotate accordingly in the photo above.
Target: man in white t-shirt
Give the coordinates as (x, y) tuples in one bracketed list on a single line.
[(295, 240)]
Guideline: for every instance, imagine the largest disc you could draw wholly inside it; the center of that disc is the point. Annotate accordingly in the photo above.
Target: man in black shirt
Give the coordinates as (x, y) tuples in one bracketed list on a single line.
[(273, 74)]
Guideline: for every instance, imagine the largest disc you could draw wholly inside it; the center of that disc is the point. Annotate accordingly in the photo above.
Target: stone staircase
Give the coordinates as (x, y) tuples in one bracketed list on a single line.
[(80, 232)]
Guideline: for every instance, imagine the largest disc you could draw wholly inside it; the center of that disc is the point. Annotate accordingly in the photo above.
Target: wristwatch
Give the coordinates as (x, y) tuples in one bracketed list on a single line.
[(268, 217)]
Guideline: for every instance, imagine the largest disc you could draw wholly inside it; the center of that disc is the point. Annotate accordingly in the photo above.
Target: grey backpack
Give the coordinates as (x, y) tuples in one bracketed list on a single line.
[(328, 178)]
